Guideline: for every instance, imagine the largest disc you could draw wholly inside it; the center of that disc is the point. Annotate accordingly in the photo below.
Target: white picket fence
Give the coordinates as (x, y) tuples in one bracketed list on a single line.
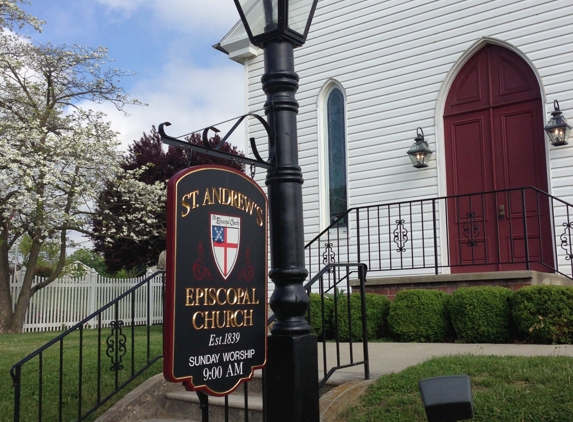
[(68, 300)]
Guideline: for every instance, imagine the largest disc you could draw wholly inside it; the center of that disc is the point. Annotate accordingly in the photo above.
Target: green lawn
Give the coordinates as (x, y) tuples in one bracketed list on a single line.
[(505, 388), (508, 389), (14, 347)]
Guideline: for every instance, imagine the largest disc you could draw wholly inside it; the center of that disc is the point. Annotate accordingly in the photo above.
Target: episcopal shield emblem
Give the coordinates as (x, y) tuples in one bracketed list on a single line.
[(225, 237)]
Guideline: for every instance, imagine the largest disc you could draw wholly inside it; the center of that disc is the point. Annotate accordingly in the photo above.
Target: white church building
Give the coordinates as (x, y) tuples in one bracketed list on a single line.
[(478, 80)]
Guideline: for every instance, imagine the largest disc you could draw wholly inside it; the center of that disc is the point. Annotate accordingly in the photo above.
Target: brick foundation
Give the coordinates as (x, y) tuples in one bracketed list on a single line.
[(449, 283)]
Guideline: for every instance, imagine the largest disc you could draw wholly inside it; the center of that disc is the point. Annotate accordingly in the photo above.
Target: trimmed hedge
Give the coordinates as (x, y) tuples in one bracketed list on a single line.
[(482, 314), (544, 314), (377, 307), (485, 314), (420, 316), (315, 311)]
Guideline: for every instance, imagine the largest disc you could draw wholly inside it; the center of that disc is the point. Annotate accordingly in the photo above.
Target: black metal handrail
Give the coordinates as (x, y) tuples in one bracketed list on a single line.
[(117, 347), (510, 229), (328, 280)]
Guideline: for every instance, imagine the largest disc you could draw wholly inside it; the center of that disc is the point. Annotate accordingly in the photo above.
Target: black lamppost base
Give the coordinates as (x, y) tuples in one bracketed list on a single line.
[(292, 361)]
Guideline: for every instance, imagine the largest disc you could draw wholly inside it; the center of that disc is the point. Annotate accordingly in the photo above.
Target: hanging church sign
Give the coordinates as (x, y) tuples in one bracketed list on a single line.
[(215, 317)]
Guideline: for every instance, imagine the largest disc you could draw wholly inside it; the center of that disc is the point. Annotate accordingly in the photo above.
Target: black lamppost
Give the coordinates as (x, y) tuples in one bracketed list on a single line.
[(278, 26)]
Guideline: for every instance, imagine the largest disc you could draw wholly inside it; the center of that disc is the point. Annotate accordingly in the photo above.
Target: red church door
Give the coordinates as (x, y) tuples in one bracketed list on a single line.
[(494, 140)]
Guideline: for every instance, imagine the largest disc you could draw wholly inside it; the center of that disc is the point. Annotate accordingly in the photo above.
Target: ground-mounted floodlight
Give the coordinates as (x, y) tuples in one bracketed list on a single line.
[(448, 398)]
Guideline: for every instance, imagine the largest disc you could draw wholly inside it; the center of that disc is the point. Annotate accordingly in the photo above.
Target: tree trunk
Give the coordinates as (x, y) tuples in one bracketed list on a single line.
[(15, 324), (6, 313), (26, 292), (12, 321)]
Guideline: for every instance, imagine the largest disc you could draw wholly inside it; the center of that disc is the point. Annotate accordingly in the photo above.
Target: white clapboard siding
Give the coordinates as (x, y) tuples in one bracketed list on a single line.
[(394, 60), (68, 300)]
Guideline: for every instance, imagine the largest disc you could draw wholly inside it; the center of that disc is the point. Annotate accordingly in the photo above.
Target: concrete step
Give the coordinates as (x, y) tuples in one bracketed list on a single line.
[(165, 420), (186, 404), (157, 400), (181, 404)]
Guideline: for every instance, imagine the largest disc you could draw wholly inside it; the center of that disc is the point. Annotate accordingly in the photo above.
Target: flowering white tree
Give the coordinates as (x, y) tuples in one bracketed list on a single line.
[(124, 216), (55, 157), (11, 15)]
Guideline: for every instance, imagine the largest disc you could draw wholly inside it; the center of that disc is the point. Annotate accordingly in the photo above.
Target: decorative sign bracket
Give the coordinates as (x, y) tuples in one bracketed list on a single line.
[(206, 148)]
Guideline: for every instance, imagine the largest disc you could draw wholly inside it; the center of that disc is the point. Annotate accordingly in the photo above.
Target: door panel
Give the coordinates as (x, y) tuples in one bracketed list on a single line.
[(470, 90), (468, 152), (512, 80), (494, 141), (519, 130), (473, 229)]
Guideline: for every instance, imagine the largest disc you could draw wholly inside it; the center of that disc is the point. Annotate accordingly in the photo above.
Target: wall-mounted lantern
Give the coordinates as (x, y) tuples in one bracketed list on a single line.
[(557, 127), (420, 152)]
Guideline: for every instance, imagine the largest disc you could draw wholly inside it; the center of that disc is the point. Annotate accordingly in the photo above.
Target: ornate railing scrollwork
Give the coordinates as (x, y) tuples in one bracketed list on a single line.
[(566, 240), (400, 236), (328, 256), (471, 230), (116, 345)]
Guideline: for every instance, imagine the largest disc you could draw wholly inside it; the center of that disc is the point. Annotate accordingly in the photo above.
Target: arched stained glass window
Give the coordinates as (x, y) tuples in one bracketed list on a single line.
[(336, 133)]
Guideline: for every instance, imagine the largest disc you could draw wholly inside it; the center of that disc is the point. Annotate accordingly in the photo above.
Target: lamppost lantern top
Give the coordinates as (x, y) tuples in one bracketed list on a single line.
[(268, 20)]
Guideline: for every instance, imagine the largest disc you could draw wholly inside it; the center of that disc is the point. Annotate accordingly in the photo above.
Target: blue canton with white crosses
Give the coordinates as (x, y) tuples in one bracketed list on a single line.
[(218, 234)]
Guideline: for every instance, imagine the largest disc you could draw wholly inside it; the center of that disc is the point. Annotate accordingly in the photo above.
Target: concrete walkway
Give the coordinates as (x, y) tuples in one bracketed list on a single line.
[(386, 358)]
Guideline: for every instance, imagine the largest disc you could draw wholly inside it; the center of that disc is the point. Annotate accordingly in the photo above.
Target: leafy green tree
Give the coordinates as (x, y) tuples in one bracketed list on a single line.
[(47, 258), (89, 258)]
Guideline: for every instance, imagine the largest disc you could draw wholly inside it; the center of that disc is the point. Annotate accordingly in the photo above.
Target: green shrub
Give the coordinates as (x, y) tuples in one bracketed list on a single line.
[(420, 315), (482, 314), (544, 314), (377, 307), (317, 325)]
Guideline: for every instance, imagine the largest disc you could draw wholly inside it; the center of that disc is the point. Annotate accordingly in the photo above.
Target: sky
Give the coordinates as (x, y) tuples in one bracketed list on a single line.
[(168, 44)]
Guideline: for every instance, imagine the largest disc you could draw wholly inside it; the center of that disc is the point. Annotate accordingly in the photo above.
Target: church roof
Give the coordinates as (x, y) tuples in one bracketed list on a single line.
[(236, 44)]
